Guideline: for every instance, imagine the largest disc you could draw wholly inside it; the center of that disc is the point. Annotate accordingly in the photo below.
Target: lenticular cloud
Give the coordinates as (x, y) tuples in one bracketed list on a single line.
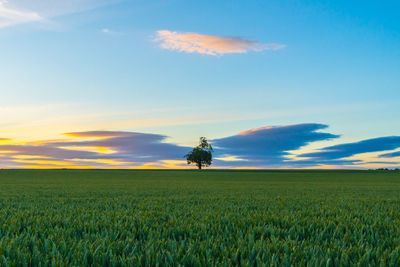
[(212, 45)]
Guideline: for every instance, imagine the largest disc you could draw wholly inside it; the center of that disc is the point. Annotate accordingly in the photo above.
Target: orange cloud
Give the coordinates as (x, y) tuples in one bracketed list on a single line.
[(105, 162), (93, 134), (210, 44), (96, 149), (163, 164), (230, 158), (44, 162)]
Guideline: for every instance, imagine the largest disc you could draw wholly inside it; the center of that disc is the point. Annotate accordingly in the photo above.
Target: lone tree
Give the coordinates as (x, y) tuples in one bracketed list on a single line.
[(201, 155)]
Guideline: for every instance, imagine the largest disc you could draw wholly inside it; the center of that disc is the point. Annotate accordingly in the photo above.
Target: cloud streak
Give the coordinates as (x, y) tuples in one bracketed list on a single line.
[(391, 155), (10, 15), (342, 152), (269, 146), (24, 11), (212, 45), (264, 147), (130, 146), (94, 149)]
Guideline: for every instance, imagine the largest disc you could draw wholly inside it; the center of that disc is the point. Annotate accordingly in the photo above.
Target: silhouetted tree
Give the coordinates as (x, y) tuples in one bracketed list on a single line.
[(201, 155)]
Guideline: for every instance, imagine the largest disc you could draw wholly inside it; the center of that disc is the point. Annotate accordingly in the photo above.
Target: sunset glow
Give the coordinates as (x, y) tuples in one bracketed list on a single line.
[(121, 84)]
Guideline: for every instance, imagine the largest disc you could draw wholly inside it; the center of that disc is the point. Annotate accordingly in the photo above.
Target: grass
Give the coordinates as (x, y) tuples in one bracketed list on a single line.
[(191, 218)]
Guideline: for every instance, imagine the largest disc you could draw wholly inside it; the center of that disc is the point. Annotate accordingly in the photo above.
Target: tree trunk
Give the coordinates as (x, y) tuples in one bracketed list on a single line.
[(199, 166)]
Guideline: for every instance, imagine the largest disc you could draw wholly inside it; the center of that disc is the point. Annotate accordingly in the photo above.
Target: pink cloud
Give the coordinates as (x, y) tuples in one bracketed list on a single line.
[(210, 44)]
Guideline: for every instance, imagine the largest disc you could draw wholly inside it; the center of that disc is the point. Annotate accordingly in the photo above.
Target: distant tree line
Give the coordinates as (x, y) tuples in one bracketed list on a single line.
[(387, 169)]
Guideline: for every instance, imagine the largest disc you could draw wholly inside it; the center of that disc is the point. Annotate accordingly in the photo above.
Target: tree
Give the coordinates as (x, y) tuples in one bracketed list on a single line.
[(201, 155)]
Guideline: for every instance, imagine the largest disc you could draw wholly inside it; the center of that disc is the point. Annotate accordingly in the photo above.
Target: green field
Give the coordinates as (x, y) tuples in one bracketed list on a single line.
[(191, 218)]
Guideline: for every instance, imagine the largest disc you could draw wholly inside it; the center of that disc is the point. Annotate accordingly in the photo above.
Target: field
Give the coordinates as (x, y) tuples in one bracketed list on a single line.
[(191, 218)]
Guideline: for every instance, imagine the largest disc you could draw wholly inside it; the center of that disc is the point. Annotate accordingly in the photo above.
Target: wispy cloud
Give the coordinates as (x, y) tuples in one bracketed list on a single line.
[(213, 45), (391, 155), (345, 153), (109, 31), (106, 31), (21, 11), (10, 15)]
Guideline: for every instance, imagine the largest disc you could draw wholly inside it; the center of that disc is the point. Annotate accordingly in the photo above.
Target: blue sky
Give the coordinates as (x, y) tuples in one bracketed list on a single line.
[(184, 69)]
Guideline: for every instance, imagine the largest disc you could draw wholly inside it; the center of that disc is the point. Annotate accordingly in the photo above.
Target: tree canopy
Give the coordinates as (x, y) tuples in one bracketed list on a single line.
[(201, 155)]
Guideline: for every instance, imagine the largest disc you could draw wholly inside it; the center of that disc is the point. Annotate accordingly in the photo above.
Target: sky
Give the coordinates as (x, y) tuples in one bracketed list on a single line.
[(134, 84)]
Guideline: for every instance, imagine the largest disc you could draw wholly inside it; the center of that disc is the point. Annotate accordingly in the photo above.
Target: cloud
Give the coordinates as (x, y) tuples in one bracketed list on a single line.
[(264, 147), (109, 31), (212, 45), (11, 15), (131, 146), (95, 149), (23, 11), (268, 146), (391, 155), (106, 30), (332, 154)]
